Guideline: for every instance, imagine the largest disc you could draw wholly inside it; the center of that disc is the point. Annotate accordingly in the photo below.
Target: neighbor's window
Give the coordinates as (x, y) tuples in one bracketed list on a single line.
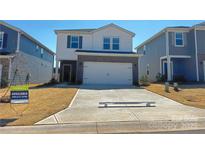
[(115, 43), (144, 49), (148, 69), (1, 39), (74, 41), (106, 43), (37, 47), (41, 52), (179, 41)]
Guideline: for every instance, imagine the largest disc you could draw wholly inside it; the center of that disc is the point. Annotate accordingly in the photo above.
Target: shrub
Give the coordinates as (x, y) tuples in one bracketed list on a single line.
[(160, 77), (144, 81), (179, 78), (53, 81)]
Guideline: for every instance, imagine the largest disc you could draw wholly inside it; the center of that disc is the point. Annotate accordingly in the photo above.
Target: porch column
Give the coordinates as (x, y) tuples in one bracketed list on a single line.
[(169, 78), (56, 70)]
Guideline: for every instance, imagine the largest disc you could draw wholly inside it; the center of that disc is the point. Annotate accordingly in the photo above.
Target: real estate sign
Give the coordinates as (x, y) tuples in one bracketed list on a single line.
[(20, 94)]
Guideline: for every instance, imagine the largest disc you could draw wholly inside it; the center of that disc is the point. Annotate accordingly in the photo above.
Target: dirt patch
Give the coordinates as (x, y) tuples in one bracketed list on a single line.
[(191, 95), (44, 101)]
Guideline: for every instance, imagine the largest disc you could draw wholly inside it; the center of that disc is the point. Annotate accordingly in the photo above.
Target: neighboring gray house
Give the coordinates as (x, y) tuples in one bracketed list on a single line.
[(96, 56), (19, 51), (176, 52)]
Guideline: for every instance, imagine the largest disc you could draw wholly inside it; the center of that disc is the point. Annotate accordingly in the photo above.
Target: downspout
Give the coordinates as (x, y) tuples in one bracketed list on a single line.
[(17, 50), (18, 42), (196, 55), (168, 57)]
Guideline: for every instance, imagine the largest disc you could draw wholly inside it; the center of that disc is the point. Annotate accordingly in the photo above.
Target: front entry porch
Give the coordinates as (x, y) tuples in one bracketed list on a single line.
[(177, 68), (67, 71)]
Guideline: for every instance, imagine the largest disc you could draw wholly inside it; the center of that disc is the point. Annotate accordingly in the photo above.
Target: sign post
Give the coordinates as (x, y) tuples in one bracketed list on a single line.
[(20, 94)]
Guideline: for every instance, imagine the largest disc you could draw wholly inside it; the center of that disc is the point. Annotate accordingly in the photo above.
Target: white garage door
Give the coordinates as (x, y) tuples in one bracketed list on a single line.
[(107, 73)]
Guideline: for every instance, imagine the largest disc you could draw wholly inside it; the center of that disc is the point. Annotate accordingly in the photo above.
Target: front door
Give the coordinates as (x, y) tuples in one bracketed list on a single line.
[(165, 71), (66, 73)]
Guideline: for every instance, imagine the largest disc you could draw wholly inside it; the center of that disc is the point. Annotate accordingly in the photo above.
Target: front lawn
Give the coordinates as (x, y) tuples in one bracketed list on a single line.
[(191, 95), (44, 101)]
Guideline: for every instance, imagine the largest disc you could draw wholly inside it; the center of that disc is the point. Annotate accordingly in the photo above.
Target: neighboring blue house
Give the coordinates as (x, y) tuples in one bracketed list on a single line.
[(19, 51), (178, 53)]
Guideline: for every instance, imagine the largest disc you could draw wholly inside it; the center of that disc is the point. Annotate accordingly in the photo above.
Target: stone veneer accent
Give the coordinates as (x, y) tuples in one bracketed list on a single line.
[(84, 58), (5, 68)]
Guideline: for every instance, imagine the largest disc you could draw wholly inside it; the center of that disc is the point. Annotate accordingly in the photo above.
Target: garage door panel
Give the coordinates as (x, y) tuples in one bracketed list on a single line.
[(107, 73)]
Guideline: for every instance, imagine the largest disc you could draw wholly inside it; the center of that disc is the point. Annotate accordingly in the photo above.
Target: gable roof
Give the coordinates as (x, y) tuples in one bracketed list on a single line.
[(151, 38), (27, 35), (167, 28), (200, 24), (93, 30), (115, 26)]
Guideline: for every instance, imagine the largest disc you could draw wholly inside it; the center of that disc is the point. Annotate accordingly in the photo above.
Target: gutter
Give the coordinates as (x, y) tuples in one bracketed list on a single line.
[(108, 54), (196, 54)]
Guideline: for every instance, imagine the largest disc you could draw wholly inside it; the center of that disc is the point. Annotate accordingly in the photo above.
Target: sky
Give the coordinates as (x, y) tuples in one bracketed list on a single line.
[(43, 30)]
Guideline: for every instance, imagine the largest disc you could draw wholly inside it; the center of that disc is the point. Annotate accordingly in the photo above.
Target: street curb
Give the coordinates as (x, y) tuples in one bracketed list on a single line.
[(109, 127)]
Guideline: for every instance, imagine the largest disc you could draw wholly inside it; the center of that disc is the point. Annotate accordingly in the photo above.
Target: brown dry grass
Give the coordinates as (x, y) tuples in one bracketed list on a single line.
[(191, 95), (44, 101)]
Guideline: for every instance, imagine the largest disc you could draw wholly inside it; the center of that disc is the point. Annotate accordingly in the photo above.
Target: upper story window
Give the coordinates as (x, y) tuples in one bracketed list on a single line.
[(144, 49), (1, 39), (179, 39), (74, 41), (42, 52), (106, 43), (115, 43), (37, 47)]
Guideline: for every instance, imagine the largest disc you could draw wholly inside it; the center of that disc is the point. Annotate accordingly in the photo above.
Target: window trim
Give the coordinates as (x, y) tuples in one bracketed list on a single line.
[(2, 44), (178, 38), (107, 43), (111, 43), (76, 41), (115, 43)]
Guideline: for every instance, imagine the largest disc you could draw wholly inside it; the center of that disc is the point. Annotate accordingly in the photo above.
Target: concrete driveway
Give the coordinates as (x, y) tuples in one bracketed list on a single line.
[(103, 104)]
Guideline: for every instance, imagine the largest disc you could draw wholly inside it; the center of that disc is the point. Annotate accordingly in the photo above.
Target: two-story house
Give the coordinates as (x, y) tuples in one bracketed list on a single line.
[(21, 54), (96, 56), (178, 53)]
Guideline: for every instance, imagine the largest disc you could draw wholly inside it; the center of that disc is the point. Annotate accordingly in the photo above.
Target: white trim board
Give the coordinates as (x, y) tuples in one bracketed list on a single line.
[(109, 54), (175, 56)]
